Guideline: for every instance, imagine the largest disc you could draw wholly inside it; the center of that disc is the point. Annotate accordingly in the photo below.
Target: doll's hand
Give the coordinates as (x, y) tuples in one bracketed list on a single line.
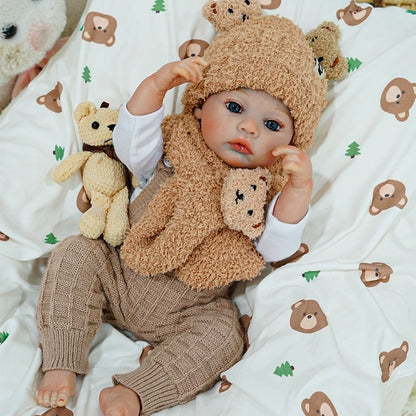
[(179, 72), (150, 93), (293, 203), (297, 165)]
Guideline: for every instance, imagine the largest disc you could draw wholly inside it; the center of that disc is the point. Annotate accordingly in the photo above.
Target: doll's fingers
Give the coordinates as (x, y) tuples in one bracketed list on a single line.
[(195, 65), (201, 62), (286, 150), (188, 72)]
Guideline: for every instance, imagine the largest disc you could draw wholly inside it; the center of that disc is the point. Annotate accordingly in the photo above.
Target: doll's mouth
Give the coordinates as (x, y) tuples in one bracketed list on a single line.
[(257, 225), (241, 145)]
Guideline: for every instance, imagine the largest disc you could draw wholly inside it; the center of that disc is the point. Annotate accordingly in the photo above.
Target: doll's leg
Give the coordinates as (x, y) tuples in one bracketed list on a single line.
[(69, 315), (206, 341)]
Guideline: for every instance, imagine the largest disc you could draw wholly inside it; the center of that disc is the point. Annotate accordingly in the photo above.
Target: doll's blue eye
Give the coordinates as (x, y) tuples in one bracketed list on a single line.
[(234, 107), (272, 125)]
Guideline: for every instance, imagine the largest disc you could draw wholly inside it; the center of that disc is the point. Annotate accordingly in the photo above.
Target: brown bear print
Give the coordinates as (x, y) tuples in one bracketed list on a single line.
[(270, 4), (353, 14), (374, 273), (146, 351), (391, 360), (192, 47), (398, 98), (245, 322), (307, 316), (3, 237), (318, 405), (58, 411), (100, 28), (52, 100), (225, 385), (388, 194), (301, 251)]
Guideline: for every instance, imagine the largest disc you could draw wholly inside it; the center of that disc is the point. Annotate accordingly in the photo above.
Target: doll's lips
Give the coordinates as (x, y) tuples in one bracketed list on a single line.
[(241, 145), (257, 225)]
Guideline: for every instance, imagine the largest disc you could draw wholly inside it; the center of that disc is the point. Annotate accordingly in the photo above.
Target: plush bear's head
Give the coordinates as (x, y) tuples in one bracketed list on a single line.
[(324, 43), (28, 29), (95, 125), (243, 198)]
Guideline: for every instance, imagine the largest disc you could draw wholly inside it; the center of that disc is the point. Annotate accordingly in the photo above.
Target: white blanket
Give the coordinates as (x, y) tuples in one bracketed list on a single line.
[(358, 279)]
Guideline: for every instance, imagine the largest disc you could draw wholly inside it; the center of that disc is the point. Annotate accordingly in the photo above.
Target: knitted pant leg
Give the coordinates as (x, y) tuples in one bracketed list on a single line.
[(70, 303), (207, 342)]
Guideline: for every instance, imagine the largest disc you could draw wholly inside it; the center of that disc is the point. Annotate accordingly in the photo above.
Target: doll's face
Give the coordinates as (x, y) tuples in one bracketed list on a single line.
[(244, 126)]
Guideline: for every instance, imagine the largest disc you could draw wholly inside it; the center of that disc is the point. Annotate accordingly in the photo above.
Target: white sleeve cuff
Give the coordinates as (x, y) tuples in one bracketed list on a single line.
[(279, 240)]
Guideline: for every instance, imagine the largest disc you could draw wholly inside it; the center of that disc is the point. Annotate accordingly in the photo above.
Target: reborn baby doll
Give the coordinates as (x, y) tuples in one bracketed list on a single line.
[(175, 295)]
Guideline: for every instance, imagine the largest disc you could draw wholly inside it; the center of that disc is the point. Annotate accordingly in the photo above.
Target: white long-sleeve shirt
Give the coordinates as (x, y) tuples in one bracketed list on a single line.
[(139, 145)]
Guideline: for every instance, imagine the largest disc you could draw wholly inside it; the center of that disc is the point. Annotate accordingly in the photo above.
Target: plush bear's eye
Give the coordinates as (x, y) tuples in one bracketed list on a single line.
[(247, 2), (250, 212), (230, 11), (8, 31), (95, 125), (254, 187)]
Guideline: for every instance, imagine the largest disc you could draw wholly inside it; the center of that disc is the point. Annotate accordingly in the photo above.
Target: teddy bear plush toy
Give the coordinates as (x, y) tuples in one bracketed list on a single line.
[(104, 177), (324, 41), (28, 30), (30, 33)]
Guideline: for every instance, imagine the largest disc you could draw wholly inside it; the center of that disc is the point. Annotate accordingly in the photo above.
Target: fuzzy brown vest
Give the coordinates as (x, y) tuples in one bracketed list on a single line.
[(182, 228)]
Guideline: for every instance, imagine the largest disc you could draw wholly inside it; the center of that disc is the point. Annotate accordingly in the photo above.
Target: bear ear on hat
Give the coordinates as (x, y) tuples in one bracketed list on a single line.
[(225, 14)]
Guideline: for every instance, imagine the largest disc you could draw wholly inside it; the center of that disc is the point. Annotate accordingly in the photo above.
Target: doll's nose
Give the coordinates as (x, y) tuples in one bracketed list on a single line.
[(249, 126), (8, 31)]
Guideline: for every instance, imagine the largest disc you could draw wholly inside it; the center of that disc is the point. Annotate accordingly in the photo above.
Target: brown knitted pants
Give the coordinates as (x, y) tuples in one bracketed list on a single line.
[(195, 334)]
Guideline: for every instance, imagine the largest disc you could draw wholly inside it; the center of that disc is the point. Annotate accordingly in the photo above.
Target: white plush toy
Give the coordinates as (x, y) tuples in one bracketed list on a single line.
[(29, 30)]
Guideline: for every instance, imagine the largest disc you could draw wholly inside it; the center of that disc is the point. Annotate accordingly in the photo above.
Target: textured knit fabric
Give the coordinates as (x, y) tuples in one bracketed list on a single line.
[(195, 334)]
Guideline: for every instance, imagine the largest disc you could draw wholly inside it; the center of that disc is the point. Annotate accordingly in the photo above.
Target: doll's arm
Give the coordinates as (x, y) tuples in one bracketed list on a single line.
[(69, 166), (149, 95), (293, 202)]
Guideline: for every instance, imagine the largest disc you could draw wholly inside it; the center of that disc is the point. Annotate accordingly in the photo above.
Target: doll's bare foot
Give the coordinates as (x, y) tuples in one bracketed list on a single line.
[(119, 401), (56, 388)]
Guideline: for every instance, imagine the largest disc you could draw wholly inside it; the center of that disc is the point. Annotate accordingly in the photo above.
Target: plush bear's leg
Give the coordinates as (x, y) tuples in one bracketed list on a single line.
[(92, 222), (117, 223)]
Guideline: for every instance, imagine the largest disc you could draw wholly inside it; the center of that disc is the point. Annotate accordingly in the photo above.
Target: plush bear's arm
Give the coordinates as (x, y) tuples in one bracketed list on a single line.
[(69, 166)]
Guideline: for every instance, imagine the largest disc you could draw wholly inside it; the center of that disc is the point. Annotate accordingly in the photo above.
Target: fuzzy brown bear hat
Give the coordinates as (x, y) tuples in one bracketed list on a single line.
[(268, 53)]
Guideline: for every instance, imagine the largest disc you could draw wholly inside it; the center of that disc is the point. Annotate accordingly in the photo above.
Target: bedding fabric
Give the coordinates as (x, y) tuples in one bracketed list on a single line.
[(331, 331)]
